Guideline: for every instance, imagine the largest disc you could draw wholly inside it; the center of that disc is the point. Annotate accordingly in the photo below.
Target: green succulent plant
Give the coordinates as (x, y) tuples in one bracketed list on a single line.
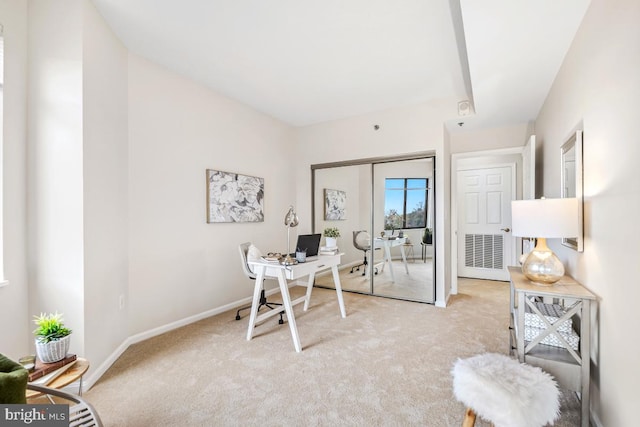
[(332, 232), (50, 327)]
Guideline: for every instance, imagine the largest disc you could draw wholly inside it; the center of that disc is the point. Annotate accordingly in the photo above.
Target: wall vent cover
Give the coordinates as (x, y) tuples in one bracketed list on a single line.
[(484, 251)]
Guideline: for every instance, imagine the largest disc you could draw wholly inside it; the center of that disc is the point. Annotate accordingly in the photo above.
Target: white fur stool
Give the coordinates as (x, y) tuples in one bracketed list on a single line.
[(505, 392)]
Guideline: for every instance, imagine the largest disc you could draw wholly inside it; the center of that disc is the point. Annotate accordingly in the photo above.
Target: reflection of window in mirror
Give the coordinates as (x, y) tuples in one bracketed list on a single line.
[(405, 203), (571, 182)]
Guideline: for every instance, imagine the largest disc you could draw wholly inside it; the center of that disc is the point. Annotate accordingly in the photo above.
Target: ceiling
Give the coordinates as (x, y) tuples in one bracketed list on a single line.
[(308, 62)]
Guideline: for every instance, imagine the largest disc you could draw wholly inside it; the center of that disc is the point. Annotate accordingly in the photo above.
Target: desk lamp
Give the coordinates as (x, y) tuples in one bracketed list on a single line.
[(290, 220), (544, 219)]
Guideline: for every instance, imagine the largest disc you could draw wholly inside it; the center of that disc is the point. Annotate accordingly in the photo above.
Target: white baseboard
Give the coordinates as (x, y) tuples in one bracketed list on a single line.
[(96, 374)]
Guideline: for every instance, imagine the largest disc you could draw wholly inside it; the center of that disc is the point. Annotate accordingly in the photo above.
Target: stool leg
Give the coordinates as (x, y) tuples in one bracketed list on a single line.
[(469, 418)]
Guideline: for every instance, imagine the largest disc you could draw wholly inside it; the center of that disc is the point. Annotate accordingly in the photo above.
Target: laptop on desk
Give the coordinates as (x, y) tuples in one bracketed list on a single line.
[(308, 242)]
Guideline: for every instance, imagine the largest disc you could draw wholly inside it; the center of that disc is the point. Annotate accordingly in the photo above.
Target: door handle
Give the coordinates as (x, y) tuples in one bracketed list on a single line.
[(506, 230)]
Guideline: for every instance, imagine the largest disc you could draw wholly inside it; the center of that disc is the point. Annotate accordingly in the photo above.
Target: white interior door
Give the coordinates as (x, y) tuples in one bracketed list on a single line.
[(485, 245)]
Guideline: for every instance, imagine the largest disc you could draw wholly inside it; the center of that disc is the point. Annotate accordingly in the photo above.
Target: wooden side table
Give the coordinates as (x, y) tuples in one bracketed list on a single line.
[(74, 373), (570, 367)]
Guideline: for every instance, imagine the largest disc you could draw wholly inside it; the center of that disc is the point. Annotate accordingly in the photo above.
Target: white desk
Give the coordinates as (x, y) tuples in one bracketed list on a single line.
[(291, 272), (387, 244)]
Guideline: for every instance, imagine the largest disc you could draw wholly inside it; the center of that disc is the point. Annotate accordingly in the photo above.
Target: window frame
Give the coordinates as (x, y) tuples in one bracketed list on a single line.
[(404, 190)]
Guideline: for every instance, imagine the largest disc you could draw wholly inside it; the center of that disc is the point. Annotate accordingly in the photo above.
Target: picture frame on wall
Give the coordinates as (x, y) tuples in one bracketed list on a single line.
[(233, 197), (335, 205)]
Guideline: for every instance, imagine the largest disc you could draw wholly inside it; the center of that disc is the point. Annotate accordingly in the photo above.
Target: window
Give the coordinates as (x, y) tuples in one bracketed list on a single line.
[(405, 203)]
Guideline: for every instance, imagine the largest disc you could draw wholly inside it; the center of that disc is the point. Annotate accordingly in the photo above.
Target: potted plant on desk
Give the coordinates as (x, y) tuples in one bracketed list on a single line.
[(52, 337), (331, 235)]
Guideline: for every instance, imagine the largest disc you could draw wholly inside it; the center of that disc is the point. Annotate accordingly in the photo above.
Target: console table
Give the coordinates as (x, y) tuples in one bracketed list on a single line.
[(569, 366), (283, 273)]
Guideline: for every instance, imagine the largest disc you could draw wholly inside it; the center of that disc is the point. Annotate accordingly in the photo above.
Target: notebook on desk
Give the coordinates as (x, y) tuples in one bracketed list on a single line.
[(309, 242)]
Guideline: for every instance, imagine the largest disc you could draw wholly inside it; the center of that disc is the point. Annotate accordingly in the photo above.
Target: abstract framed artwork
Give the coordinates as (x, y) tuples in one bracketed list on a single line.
[(335, 204), (232, 197)]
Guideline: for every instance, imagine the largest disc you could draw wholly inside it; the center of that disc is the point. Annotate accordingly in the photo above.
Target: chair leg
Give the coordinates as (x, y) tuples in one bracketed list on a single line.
[(469, 418), (263, 303), (365, 263)]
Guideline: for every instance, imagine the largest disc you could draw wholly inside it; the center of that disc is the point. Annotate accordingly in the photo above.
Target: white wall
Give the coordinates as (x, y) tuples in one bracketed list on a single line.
[(55, 164), (403, 130), (465, 141), (597, 89), (180, 265), (105, 176), (14, 340), (442, 231)]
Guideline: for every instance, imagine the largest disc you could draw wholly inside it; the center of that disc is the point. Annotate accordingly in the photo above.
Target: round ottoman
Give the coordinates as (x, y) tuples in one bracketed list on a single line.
[(505, 392)]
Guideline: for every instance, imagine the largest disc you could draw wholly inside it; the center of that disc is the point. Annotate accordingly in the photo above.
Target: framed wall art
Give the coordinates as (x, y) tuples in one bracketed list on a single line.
[(232, 197), (335, 204)]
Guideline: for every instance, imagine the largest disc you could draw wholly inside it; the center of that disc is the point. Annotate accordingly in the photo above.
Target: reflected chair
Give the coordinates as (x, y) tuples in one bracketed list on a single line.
[(244, 249), (362, 241), (81, 413)]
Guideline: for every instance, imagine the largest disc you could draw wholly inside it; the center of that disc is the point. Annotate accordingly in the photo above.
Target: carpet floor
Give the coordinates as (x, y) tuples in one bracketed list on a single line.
[(388, 363)]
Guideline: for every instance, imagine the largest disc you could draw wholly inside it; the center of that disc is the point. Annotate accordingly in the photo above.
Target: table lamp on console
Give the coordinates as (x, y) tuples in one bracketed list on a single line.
[(290, 220), (544, 219)]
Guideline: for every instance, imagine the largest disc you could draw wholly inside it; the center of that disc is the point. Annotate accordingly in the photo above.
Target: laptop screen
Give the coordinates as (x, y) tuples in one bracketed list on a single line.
[(309, 242)]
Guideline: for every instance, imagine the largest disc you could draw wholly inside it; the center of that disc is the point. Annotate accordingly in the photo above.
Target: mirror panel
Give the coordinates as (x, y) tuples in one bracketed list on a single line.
[(354, 182), (403, 203), (387, 272), (571, 183)]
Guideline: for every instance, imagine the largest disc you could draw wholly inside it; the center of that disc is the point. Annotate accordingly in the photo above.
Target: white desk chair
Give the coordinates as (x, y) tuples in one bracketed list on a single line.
[(244, 249)]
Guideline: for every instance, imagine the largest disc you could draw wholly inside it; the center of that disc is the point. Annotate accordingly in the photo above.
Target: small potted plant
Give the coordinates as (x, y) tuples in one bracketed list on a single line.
[(52, 337), (331, 234), (427, 237)]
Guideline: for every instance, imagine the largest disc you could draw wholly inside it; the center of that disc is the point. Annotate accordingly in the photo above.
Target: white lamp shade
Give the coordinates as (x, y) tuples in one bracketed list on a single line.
[(548, 218)]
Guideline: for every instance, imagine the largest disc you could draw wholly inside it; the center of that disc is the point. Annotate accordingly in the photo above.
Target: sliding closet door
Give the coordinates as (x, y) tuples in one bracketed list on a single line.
[(342, 200), (371, 203), (402, 211)]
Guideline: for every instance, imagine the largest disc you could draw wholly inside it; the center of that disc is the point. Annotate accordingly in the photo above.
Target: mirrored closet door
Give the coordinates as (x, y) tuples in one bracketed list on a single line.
[(384, 209)]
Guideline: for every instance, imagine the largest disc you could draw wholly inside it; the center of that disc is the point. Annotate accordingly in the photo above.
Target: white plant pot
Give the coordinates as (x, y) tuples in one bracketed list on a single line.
[(331, 242), (53, 351)]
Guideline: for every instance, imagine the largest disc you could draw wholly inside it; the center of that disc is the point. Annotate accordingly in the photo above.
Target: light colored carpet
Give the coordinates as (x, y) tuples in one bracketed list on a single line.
[(387, 363), (417, 285)]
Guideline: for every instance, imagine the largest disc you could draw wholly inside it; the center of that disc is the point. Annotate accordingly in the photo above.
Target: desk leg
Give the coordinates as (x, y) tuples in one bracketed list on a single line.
[(307, 297), (256, 300), (387, 254), (336, 281), (404, 259), (288, 308)]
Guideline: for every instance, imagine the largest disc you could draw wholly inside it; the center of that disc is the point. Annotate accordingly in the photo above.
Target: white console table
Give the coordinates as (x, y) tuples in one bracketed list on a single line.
[(283, 273), (571, 368)]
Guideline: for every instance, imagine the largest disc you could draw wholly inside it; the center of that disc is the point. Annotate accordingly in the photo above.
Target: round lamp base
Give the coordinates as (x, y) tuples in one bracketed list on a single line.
[(542, 266)]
